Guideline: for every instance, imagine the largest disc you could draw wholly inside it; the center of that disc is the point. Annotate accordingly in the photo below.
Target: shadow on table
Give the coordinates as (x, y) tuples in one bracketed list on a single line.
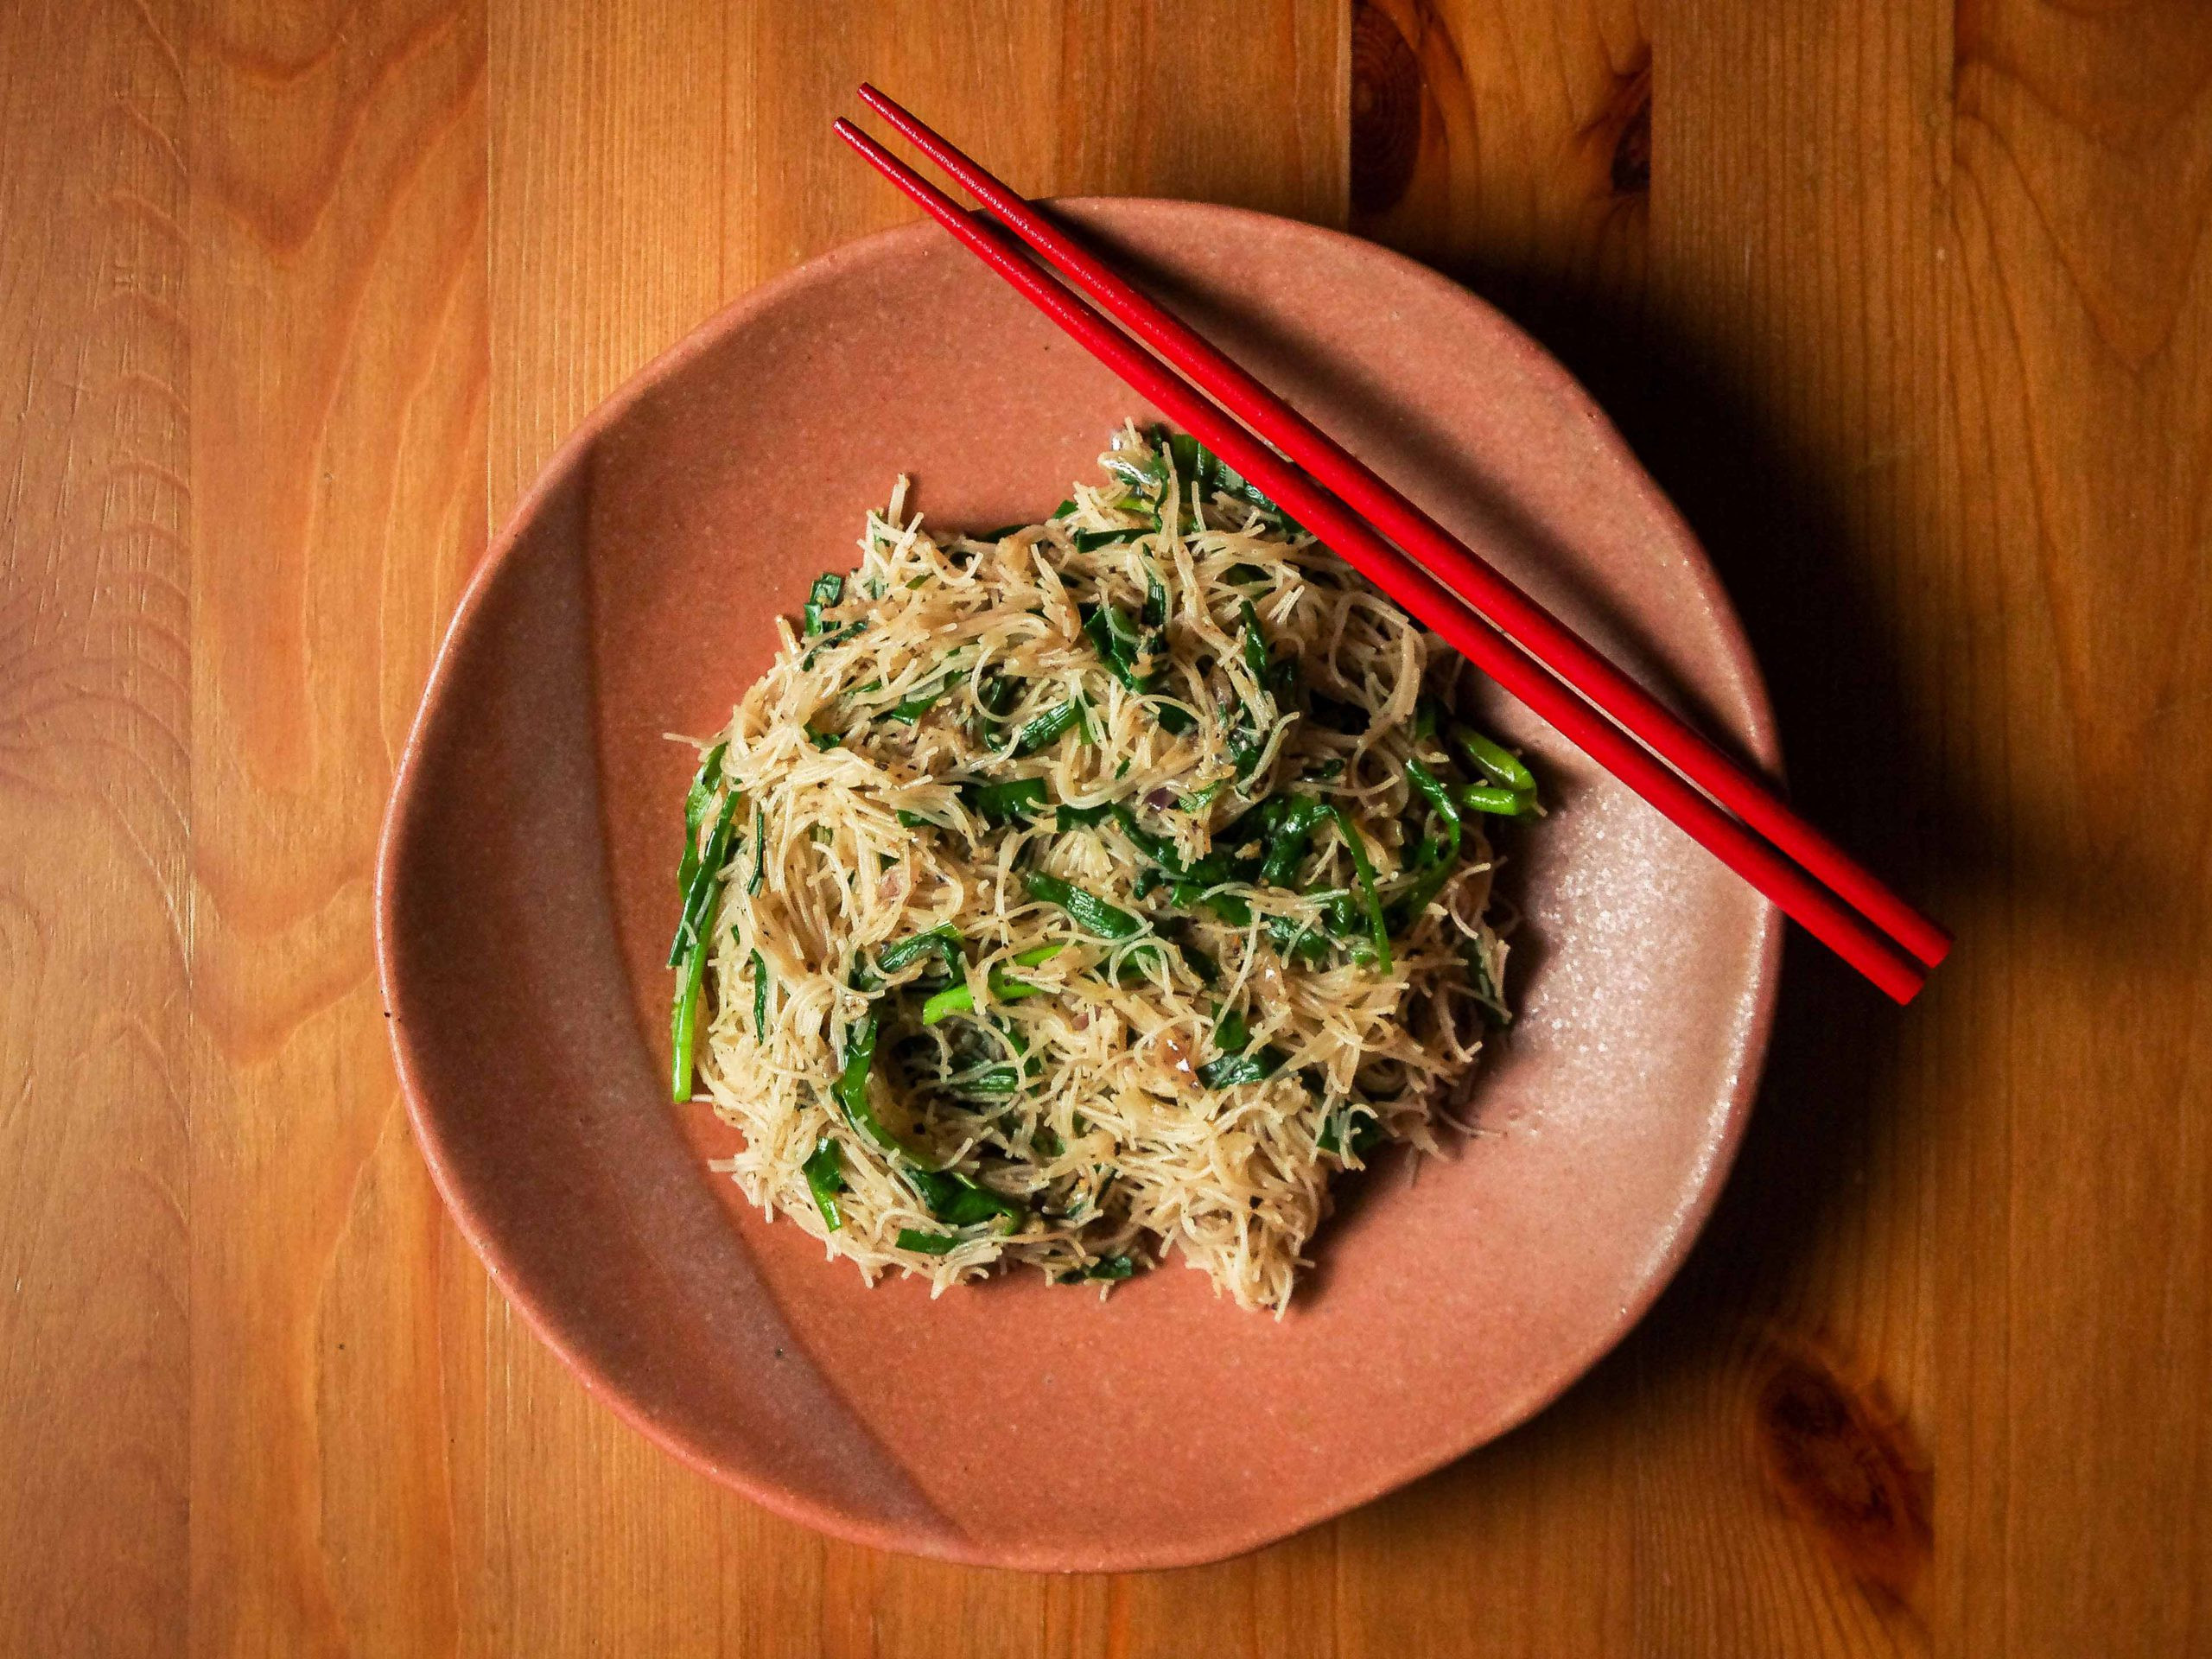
[(1809, 594)]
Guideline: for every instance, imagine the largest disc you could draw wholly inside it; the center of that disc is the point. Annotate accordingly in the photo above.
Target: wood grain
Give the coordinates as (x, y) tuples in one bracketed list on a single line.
[(1910, 306), (95, 778), (339, 352)]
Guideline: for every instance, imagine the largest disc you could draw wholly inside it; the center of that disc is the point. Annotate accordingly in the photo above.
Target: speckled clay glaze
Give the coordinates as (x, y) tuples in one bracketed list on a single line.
[(526, 894)]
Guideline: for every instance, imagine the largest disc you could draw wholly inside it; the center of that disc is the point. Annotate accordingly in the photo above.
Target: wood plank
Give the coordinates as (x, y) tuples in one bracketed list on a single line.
[(339, 345), (1509, 145), (2078, 263), (1138, 107), (95, 714)]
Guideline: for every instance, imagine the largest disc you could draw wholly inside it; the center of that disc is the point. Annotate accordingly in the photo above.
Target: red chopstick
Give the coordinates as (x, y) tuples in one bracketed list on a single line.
[(1816, 907), (1478, 581)]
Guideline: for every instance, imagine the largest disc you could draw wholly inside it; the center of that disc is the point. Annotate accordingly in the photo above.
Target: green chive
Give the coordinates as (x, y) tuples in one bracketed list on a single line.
[(1255, 643), (1187, 455), (995, 696), (1499, 802), (695, 802), (960, 1202), (827, 591), (1292, 835), (825, 1179), (913, 708), (1147, 475), (961, 998), (1407, 908), (999, 802), (1378, 930), (1089, 540), (928, 1243), (1087, 909), (1496, 762), (1231, 1033), (759, 999), (943, 940), (684, 1023), (851, 1086), (1120, 646), (705, 877), (1233, 1069), (1155, 599), (1296, 941), (991, 1083), (1158, 848), (1048, 726)]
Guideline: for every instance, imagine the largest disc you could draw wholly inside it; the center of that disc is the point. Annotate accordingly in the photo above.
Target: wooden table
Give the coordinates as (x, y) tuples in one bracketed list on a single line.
[(1908, 304)]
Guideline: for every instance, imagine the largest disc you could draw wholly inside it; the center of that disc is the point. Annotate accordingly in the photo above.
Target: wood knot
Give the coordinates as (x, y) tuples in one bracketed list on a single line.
[(1843, 1462), (1386, 95), (1629, 118)]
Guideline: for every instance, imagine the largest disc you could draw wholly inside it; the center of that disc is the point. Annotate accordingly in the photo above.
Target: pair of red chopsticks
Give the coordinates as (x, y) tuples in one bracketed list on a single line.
[(1513, 639)]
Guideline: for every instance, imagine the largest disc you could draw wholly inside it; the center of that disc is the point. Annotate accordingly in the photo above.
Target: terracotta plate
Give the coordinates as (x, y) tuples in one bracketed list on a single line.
[(526, 895)]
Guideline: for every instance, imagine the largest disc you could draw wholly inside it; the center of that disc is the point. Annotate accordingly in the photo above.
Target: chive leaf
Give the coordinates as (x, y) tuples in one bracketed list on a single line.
[(1378, 930), (1048, 726), (1087, 909), (960, 998), (1407, 908), (1495, 799), (827, 590), (955, 1199), (1494, 760), (851, 1086), (913, 708), (695, 802), (943, 940), (1233, 1069), (999, 802), (825, 1179)]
